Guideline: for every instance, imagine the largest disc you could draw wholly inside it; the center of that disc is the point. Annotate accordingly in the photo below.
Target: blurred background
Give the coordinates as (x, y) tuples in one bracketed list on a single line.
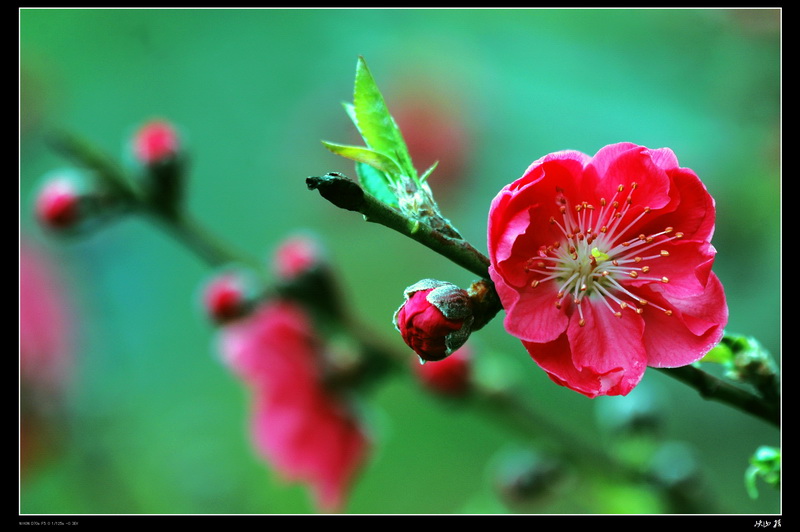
[(149, 421)]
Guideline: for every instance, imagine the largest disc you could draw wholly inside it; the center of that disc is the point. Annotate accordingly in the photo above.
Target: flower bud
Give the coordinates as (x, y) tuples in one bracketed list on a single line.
[(435, 319), (450, 377), (228, 296), (58, 204), (296, 256), (304, 274), (70, 200), (766, 465), (157, 150), (155, 142)]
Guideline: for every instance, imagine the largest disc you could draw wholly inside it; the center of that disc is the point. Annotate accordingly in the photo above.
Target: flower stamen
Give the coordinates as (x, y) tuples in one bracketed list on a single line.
[(590, 259)]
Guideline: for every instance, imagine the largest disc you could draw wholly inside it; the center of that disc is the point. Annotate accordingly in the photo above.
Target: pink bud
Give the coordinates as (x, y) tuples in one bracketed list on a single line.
[(295, 256), (58, 204), (435, 319), (155, 142), (450, 376), (228, 296)]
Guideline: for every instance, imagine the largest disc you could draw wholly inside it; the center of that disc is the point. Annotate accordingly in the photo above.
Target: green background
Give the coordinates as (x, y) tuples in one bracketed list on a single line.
[(154, 423)]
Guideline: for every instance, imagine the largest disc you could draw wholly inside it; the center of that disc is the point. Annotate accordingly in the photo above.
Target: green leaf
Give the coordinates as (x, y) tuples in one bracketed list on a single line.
[(376, 125), (766, 465), (350, 109), (376, 183), (428, 172), (719, 354), (373, 158), (750, 477)]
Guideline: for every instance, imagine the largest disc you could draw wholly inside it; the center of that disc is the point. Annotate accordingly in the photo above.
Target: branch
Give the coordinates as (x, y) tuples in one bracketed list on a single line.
[(347, 194), (176, 222), (214, 252), (716, 389)]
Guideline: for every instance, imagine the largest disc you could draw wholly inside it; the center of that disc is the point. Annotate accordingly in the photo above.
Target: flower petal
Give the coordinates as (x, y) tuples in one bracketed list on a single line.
[(625, 164), (687, 268), (530, 314), (554, 358), (607, 342), (695, 212)]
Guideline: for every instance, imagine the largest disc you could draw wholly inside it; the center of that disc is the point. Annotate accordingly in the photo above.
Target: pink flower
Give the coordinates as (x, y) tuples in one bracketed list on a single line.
[(44, 324), (603, 266), (155, 142), (306, 431), (45, 351), (435, 318)]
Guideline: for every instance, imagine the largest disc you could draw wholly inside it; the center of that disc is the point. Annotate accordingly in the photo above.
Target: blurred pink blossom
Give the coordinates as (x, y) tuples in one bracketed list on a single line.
[(451, 376), (434, 132), (45, 349), (305, 430)]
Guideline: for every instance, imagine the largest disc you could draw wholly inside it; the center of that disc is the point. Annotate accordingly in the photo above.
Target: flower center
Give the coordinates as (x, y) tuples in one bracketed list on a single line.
[(592, 259)]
